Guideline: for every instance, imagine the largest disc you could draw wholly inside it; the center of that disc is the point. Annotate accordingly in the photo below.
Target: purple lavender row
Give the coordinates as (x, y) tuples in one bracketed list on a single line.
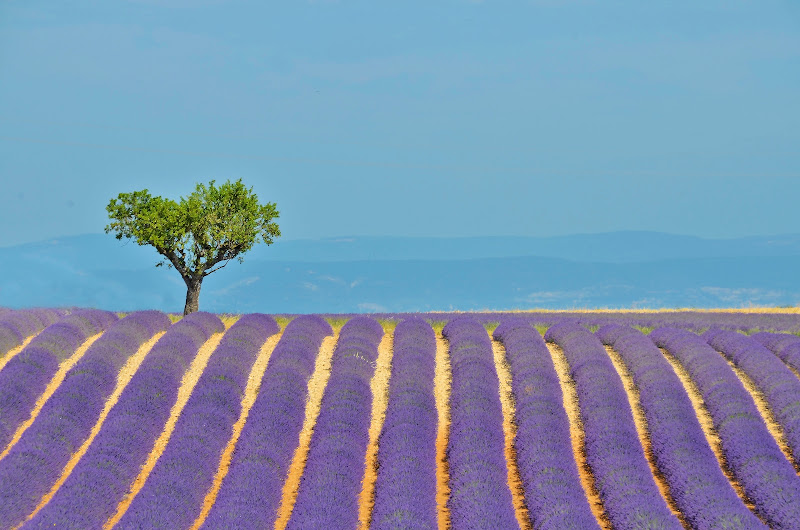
[(785, 345), (700, 489), (102, 477), (768, 479), (36, 461), (621, 472), (26, 376), (553, 493), (479, 492), (780, 386), (251, 491), (16, 326), (174, 492), (328, 492), (405, 487)]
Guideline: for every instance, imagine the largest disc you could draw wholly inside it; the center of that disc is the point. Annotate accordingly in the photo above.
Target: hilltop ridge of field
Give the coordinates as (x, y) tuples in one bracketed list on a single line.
[(361, 274)]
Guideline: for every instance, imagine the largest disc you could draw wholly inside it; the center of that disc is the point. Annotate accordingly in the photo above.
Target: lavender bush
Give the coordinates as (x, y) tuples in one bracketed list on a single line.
[(405, 487), (479, 492), (786, 346), (780, 386), (621, 472), (174, 492), (26, 376), (553, 493), (767, 478), (251, 491), (36, 461), (328, 493), (16, 326), (700, 489), (102, 477)]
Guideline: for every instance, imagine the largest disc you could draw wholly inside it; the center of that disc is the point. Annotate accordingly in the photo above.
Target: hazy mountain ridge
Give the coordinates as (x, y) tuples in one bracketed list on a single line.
[(652, 270)]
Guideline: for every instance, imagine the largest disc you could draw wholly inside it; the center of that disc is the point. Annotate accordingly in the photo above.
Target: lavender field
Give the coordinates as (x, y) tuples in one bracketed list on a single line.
[(549, 420)]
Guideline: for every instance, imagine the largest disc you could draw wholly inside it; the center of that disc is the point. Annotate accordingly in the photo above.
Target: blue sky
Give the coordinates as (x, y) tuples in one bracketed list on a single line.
[(443, 118)]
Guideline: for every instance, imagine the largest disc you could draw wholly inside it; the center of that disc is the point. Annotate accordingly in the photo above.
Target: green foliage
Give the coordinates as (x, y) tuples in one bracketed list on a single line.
[(437, 325), (542, 328), (645, 329), (337, 322), (491, 326), (206, 229)]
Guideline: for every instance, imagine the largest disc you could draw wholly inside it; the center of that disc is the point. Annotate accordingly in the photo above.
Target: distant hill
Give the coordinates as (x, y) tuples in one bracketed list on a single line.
[(362, 274)]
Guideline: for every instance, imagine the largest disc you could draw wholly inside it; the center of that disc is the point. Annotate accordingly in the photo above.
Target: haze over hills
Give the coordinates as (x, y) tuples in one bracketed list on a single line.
[(362, 274)]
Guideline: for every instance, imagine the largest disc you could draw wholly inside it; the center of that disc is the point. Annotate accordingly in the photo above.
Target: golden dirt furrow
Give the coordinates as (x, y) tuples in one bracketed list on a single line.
[(379, 385), (707, 424), (642, 430), (510, 431), (54, 383), (774, 428), (250, 395), (10, 354), (442, 380), (123, 378), (316, 388), (576, 434), (188, 383)]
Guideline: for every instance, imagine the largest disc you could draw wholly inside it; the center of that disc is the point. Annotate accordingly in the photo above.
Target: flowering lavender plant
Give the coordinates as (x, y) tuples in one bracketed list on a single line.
[(102, 477), (25, 376), (767, 478), (780, 386), (68, 416), (622, 475), (173, 495), (553, 492), (700, 489), (251, 491), (328, 493), (479, 493), (405, 487)]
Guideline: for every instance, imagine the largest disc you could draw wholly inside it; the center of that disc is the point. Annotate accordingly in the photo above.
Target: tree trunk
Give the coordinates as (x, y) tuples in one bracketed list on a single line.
[(192, 296)]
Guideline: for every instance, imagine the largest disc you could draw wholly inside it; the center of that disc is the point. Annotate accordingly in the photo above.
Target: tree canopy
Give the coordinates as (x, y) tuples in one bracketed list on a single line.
[(198, 234)]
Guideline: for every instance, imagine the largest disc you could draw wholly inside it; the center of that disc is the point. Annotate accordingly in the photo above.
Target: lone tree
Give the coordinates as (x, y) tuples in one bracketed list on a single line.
[(198, 235)]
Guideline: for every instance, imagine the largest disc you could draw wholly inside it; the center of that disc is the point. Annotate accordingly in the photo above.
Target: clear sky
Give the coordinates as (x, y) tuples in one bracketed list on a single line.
[(436, 118)]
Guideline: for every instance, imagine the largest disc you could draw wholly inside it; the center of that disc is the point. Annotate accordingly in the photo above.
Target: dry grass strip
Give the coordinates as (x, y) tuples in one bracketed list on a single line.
[(380, 399), (576, 434), (442, 380), (510, 431), (643, 431), (250, 394), (10, 354), (188, 383), (54, 383), (316, 387), (707, 424), (123, 378), (774, 428)]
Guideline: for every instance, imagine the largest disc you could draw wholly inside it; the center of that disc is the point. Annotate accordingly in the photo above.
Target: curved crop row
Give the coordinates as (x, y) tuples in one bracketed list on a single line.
[(405, 488), (16, 326), (26, 376), (174, 491), (780, 386), (64, 422), (553, 492), (251, 491), (757, 462), (479, 493), (331, 482), (700, 489), (785, 345), (621, 472), (102, 477)]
